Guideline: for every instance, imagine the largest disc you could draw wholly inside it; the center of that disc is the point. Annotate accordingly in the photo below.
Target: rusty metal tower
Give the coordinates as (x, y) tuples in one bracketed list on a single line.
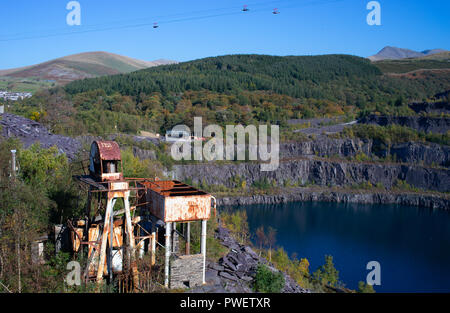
[(114, 233), (106, 180)]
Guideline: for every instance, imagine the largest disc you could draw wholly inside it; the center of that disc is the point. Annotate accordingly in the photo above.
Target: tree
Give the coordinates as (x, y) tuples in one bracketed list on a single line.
[(261, 238), (365, 288), (134, 167), (271, 240), (327, 274), (23, 216)]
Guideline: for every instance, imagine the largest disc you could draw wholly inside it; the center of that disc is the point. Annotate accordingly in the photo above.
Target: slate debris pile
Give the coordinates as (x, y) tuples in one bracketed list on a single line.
[(29, 132), (236, 271)]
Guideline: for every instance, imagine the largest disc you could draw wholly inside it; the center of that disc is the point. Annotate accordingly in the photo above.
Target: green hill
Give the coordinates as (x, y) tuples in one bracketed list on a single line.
[(296, 76), (345, 79)]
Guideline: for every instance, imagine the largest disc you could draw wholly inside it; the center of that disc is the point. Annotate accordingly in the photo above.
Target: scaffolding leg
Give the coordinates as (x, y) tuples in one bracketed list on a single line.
[(153, 238), (167, 261), (188, 238), (106, 229), (203, 249), (130, 236)]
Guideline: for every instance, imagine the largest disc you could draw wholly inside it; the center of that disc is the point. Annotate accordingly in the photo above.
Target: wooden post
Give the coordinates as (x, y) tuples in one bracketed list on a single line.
[(106, 229)]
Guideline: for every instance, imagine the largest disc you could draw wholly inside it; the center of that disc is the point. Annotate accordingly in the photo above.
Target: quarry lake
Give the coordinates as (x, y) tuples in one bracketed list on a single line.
[(411, 244)]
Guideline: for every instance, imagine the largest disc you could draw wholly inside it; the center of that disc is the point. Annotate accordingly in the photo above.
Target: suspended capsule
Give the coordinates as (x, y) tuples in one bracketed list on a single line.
[(155, 25), (245, 9), (275, 11)]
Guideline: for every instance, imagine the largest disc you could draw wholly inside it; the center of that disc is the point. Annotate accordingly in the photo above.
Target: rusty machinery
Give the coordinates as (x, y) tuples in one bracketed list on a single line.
[(166, 202), (109, 226)]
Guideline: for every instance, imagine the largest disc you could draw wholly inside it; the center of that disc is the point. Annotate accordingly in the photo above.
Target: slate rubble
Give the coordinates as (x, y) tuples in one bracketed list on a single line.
[(235, 272)]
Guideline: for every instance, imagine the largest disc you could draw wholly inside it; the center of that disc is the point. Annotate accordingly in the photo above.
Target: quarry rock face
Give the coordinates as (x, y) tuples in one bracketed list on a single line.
[(317, 172), (428, 154), (411, 152), (438, 125), (367, 197), (324, 146)]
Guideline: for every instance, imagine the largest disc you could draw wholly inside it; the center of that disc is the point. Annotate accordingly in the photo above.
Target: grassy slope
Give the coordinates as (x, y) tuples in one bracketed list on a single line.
[(84, 65), (23, 84), (436, 61)]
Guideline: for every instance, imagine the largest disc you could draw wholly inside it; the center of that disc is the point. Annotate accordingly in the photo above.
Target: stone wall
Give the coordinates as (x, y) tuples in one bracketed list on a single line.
[(186, 271)]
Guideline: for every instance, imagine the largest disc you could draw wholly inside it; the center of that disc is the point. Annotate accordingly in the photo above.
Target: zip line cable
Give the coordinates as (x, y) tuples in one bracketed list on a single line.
[(154, 18), (145, 19), (152, 22)]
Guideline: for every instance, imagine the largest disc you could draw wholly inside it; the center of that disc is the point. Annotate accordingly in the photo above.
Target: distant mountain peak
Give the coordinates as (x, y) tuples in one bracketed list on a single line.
[(395, 53)]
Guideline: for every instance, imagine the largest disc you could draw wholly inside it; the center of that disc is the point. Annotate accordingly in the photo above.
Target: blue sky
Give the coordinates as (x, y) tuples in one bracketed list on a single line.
[(303, 27)]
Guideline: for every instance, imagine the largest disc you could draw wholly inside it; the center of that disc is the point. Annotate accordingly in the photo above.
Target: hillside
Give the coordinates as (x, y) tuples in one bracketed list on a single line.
[(347, 79), (296, 76), (394, 53), (79, 66), (437, 61), (231, 89)]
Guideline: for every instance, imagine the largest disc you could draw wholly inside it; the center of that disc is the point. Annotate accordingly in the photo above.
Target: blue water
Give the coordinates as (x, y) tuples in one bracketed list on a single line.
[(411, 244)]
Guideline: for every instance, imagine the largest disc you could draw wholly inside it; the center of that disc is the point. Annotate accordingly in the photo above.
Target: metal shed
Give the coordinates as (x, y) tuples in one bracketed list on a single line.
[(174, 201)]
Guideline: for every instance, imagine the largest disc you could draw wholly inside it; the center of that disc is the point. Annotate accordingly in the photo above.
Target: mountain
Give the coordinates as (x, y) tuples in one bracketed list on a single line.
[(84, 65), (394, 53)]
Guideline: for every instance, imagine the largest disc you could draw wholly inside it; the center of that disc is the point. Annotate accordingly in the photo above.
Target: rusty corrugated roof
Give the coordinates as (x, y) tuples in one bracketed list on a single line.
[(108, 150)]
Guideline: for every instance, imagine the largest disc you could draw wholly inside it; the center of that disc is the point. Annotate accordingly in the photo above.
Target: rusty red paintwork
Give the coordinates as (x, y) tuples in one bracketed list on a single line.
[(105, 161), (108, 150), (173, 201)]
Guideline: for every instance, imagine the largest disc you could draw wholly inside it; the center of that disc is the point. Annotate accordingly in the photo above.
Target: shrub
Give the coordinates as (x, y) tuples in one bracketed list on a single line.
[(262, 184), (134, 167), (268, 281)]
